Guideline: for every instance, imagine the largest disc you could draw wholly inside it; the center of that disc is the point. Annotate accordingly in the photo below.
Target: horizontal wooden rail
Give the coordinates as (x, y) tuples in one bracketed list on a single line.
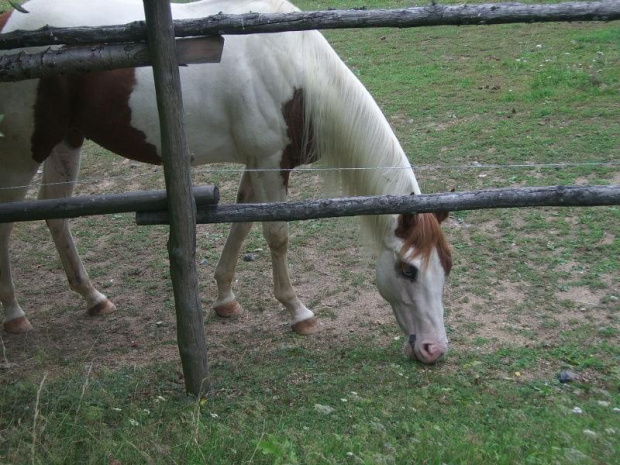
[(250, 23), (558, 196), (74, 207), (85, 59)]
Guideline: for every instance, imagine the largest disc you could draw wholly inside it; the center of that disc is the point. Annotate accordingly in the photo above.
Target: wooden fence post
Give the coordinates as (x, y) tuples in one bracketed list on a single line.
[(175, 155)]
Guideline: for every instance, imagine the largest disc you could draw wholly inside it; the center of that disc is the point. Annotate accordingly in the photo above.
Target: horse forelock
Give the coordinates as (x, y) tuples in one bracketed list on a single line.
[(422, 233)]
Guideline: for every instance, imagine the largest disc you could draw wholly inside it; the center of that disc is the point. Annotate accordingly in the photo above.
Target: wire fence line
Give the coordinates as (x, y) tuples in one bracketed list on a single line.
[(434, 167)]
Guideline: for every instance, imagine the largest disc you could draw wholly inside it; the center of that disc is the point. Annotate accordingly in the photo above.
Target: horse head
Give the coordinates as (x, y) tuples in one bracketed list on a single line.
[(412, 268)]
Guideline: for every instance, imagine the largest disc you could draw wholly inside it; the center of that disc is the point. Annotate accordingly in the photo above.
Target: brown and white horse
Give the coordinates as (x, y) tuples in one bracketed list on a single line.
[(274, 102)]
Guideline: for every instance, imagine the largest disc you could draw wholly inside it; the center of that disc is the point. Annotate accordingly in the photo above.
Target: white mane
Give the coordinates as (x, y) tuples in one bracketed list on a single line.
[(348, 130)]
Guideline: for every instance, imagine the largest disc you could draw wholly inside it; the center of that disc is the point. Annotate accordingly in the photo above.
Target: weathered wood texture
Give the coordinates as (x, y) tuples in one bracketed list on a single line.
[(90, 205), (431, 15), (558, 196), (175, 154), (84, 59)]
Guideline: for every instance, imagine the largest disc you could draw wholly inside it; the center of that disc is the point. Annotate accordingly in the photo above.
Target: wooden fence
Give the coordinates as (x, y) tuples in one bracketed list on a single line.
[(150, 206)]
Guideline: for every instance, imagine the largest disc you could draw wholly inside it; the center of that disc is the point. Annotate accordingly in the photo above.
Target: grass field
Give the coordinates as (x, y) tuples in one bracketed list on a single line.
[(533, 292)]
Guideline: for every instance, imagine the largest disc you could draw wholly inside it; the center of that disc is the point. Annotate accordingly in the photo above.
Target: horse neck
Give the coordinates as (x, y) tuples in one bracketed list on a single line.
[(348, 130)]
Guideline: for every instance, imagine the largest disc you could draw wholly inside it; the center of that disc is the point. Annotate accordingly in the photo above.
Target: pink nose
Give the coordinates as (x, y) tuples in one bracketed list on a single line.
[(428, 352)]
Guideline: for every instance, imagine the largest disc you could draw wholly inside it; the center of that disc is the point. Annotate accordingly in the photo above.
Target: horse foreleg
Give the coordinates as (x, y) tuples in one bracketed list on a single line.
[(304, 322), (226, 304), (59, 175), (269, 188)]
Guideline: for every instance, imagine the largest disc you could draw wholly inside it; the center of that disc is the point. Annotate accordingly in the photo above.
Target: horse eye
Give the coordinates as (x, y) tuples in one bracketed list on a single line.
[(409, 271)]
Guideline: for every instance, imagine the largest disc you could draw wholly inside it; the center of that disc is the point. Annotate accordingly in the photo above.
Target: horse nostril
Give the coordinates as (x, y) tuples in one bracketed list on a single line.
[(434, 352), (426, 352)]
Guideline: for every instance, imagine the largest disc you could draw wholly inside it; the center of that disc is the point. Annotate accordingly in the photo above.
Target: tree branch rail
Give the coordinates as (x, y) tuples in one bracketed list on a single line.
[(251, 23), (557, 196)]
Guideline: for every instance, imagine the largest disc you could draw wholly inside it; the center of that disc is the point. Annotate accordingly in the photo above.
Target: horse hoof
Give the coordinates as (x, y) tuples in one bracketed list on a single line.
[(228, 310), (18, 325), (306, 327), (102, 308)]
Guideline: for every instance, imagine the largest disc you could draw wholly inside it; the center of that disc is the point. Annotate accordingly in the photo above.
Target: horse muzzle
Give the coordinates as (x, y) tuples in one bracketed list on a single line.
[(426, 352)]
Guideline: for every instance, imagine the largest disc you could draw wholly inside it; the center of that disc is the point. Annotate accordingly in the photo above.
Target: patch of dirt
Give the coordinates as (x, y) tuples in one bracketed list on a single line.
[(486, 317), (452, 121), (567, 267), (581, 295)]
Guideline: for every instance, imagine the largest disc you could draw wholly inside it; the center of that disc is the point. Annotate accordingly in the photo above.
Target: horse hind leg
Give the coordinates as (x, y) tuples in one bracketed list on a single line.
[(15, 320), (59, 176), (226, 304), (15, 175)]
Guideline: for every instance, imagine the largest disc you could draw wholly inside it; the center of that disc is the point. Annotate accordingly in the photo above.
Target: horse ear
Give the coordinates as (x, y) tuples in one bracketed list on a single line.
[(441, 216), (405, 221)]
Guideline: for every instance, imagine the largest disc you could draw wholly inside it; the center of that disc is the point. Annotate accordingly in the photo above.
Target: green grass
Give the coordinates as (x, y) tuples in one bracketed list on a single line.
[(532, 293), (385, 410)]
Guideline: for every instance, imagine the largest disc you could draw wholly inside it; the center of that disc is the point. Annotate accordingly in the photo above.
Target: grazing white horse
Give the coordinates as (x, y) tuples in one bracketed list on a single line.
[(274, 102)]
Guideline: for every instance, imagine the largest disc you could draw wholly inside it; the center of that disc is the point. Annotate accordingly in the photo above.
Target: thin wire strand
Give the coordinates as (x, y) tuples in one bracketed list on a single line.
[(204, 169), (421, 167)]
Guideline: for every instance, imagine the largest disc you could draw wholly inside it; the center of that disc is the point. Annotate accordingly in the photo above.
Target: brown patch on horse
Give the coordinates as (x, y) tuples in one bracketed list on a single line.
[(74, 138), (298, 151), (93, 105), (52, 115), (104, 115), (4, 18), (422, 232)]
